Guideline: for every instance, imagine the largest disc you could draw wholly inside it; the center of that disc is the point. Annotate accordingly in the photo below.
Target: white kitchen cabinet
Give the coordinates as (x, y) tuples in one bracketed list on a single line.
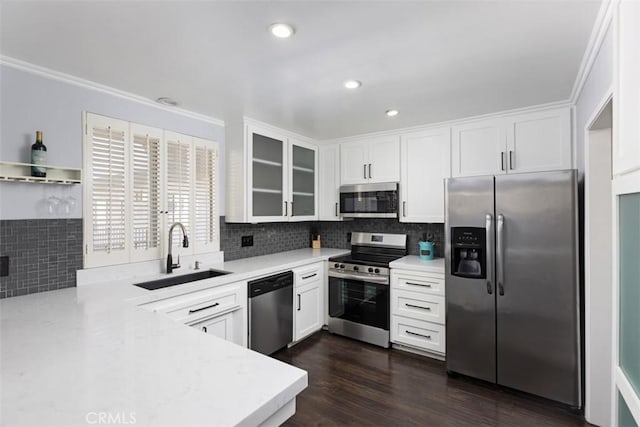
[(370, 161), (521, 143), (272, 175), (308, 304), (478, 148), (221, 310), (219, 326), (418, 311), (539, 141), (329, 173), (626, 111), (426, 162)]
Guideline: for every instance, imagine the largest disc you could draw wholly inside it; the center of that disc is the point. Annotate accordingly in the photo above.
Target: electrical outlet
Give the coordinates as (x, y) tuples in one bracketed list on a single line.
[(4, 266), (247, 241)]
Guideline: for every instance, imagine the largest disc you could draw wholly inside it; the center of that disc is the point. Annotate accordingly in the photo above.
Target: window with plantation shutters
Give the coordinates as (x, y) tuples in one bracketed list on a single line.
[(205, 208), (106, 205), (141, 180), (178, 184), (146, 175)]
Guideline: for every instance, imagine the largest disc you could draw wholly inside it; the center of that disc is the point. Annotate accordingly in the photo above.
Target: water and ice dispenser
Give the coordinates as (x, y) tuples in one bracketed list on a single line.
[(469, 252)]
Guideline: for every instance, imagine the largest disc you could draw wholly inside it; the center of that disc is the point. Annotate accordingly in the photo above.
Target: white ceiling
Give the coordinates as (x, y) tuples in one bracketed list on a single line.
[(432, 60)]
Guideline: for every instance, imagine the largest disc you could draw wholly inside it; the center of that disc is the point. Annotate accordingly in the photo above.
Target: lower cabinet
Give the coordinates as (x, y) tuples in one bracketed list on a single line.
[(308, 300), (220, 310), (418, 311)]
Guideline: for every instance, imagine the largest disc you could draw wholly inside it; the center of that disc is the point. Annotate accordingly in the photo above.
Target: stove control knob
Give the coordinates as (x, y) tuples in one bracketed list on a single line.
[(355, 268), (341, 265), (377, 270), (370, 270), (336, 265)]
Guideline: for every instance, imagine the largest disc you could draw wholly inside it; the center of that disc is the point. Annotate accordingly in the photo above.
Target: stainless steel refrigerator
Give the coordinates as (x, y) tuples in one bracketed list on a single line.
[(512, 292)]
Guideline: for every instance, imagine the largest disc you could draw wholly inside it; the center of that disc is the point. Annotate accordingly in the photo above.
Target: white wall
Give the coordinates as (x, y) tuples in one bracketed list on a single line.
[(598, 341), (30, 102)]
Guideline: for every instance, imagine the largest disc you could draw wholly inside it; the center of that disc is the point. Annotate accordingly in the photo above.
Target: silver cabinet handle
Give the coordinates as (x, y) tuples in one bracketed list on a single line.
[(418, 306), (404, 208), (336, 208), (204, 308), (298, 302), (286, 208), (418, 335), (364, 171), (309, 276), (511, 159), (500, 254), (418, 284), (489, 239), (369, 170), (502, 160)]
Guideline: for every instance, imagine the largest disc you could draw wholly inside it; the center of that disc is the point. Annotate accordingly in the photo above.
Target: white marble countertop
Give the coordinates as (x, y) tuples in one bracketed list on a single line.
[(71, 355), (413, 262)]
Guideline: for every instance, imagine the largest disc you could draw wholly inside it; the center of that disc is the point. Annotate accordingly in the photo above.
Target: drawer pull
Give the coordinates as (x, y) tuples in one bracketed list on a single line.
[(418, 335), (418, 284), (417, 306), (204, 308), (309, 276)]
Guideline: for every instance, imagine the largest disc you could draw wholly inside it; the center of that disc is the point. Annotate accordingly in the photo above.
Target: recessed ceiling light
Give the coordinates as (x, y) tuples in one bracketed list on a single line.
[(167, 101), (281, 31), (392, 113), (352, 84)]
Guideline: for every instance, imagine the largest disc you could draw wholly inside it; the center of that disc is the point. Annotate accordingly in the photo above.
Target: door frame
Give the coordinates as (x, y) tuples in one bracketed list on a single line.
[(606, 98)]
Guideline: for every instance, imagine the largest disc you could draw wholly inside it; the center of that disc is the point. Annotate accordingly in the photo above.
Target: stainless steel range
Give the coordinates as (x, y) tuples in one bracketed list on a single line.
[(359, 287)]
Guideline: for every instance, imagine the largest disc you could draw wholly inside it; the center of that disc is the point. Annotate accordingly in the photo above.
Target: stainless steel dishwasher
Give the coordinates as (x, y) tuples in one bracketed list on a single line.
[(271, 312)]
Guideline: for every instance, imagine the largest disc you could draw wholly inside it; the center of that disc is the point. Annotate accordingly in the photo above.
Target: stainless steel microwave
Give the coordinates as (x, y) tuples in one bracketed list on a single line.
[(369, 200)]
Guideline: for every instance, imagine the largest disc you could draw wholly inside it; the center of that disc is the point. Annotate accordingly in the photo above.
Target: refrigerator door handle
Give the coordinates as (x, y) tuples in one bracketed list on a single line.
[(489, 237), (500, 255)]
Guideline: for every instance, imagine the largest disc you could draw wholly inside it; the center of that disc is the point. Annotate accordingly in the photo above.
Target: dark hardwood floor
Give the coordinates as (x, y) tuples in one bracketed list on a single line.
[(353, 383)]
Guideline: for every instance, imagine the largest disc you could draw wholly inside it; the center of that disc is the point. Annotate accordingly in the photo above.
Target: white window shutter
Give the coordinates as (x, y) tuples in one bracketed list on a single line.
[(205, 232), (178, 197), (106, 191), (146, 204)]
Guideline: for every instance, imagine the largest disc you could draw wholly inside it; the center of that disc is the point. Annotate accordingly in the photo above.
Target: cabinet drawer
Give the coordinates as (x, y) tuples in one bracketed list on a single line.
[(308, 274), (205, 304), (418, 306), (417, 333), (418, 283)]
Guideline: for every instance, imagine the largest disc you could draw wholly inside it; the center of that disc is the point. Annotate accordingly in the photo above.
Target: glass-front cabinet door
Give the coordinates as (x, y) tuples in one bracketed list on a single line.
[(268, 176), (628, 369), (303, 181)]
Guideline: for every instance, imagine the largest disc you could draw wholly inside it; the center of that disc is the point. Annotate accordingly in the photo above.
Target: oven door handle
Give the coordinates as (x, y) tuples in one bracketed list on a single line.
[(361, 278)]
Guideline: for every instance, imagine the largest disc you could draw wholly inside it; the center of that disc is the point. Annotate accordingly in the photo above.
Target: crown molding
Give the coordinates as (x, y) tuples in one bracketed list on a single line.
[(598, 33), (88, 84), (464, 120), (275, 129)]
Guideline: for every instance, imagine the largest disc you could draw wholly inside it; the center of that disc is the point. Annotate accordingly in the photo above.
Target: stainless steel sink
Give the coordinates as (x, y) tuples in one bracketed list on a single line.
[(181, 279)]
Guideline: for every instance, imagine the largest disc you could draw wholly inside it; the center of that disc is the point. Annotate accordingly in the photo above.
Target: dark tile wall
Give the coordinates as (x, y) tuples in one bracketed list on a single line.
[(335, 234), (284, 236), (268, 238), (44, 254)]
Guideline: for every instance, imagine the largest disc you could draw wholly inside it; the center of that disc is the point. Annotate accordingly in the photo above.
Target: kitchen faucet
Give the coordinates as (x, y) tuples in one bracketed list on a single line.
[(185, 244)]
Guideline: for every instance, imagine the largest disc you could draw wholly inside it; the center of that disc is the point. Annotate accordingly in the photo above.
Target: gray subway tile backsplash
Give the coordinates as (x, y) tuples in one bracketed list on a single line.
[(45, 253)]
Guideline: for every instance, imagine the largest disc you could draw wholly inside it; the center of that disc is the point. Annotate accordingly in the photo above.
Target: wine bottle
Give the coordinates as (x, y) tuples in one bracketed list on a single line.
[(38, 157)]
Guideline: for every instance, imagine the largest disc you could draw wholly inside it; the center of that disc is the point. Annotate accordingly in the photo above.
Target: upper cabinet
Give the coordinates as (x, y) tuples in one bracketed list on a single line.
[(272, 176), (514, 144), (426, 162), (329, 209), (370, 161), (626, 111)]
